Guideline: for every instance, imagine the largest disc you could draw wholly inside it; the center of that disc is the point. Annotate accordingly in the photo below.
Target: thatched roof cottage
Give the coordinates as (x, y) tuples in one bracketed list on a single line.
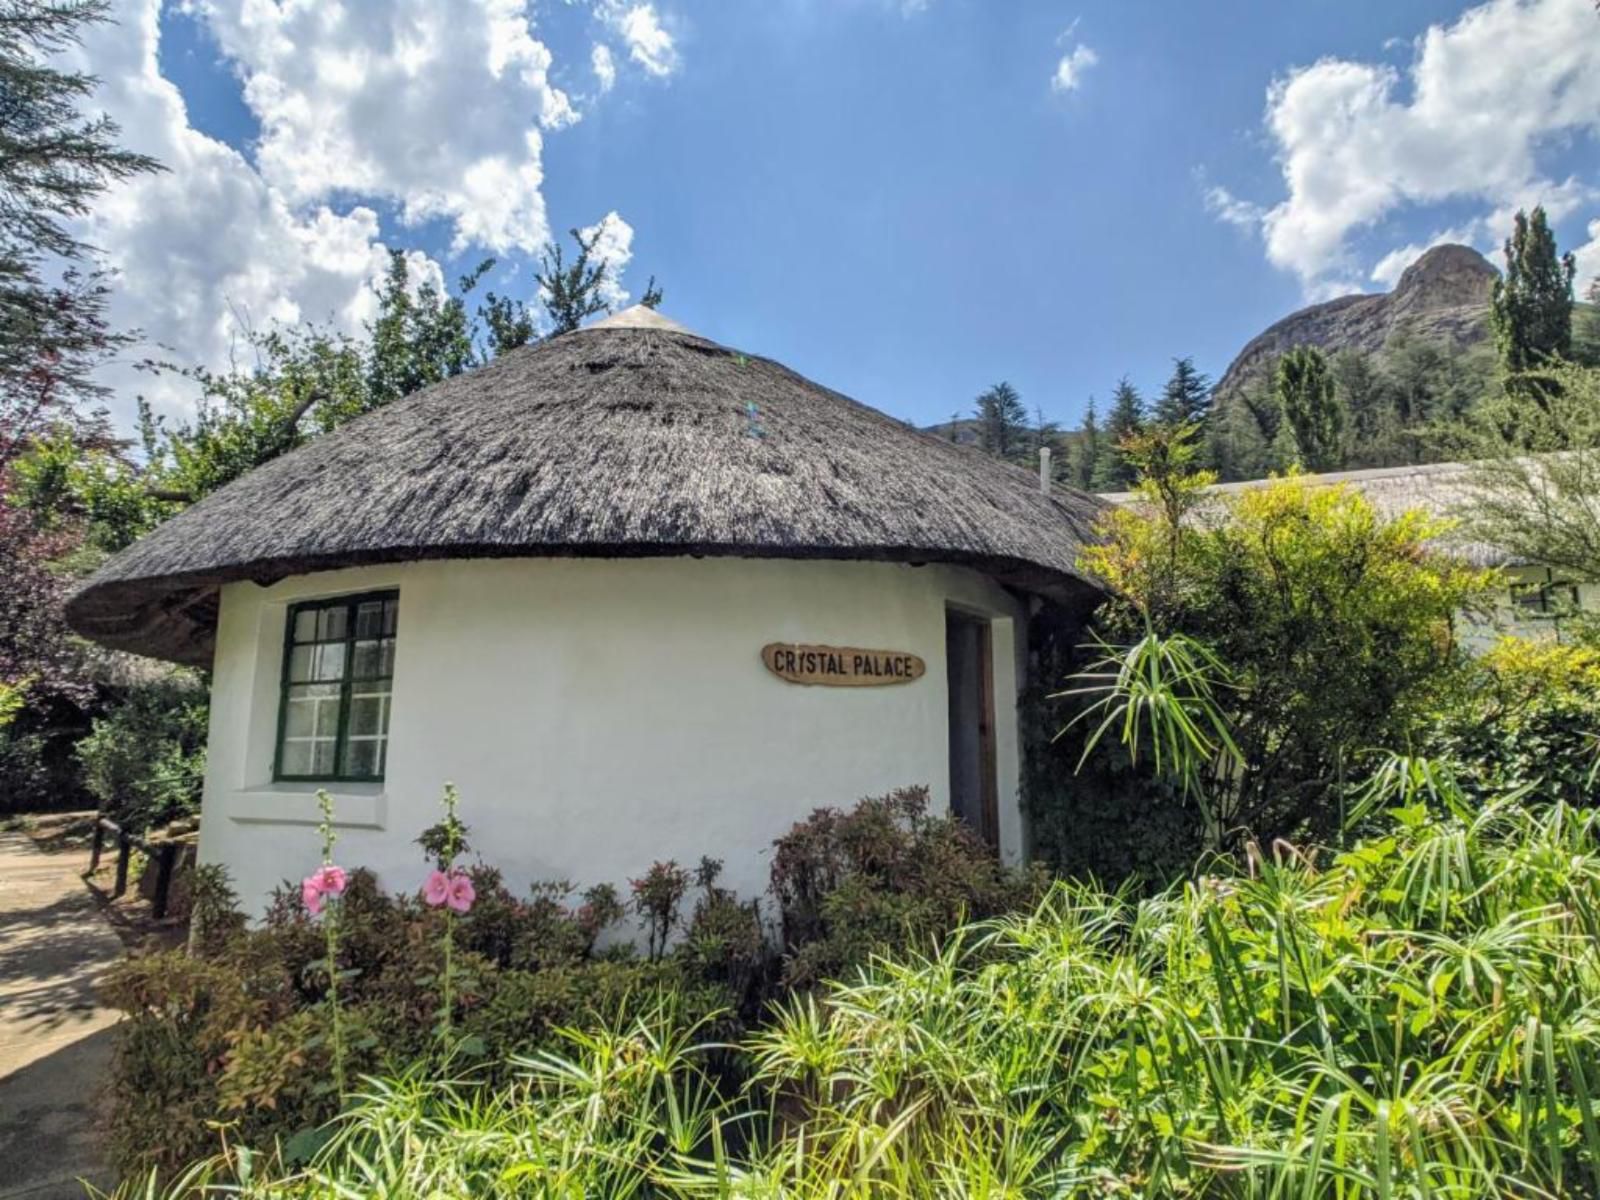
[(639, 595)]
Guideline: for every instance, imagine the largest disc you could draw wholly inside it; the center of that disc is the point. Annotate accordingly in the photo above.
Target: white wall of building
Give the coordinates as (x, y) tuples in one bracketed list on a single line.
[(600, 715)]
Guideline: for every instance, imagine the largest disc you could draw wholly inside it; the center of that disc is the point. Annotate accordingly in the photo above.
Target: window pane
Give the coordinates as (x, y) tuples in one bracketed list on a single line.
[(305, 625), (365, 757), (369, 714), (331, 624), (307, 756), (373, 660), (391, 609), (312, 710), (369, 618), (329, 661)]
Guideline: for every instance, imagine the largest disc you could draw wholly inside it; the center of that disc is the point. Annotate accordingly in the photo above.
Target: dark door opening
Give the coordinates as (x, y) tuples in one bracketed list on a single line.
[(969, 665)]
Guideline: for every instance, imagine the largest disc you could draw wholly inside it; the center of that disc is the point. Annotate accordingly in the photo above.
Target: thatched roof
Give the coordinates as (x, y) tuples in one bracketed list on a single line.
[(1442, 490), (632, 437)]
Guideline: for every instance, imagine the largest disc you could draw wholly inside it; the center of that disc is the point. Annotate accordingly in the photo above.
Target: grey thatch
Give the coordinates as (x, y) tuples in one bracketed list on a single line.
[(632, 437), (1442, 490)]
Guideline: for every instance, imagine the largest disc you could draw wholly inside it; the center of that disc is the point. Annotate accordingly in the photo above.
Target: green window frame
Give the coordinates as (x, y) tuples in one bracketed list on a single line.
[(336, 689)]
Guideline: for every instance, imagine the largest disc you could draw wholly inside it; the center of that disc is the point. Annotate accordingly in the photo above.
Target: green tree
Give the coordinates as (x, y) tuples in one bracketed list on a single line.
[(572, 292), (1186, 398), (1085, 450), (421, 335), (1536, 473), (1530, 307), (54, 161), (1112, 471), (1305, 390), (1002, 422)]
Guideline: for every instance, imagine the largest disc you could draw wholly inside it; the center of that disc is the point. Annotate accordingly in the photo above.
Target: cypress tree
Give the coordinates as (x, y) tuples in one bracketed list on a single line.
[(1186, 398), (1530, 308), (1311, 407)]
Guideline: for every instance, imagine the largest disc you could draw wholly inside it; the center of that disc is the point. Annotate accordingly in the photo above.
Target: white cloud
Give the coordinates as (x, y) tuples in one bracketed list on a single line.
[(207, 249), (1228, 208), (421, 104), (1468, 120), (639, 26), (605, 68), (1588, 256), (435, 112), (614, 247), (1070, 70)]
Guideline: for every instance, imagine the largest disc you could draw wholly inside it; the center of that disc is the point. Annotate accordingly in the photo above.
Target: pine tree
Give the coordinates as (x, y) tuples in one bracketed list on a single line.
[(1186, 398), (1085, 450), (54, 162), (1530, 308), (1311, 407), (1002, 422), (1113, 472)]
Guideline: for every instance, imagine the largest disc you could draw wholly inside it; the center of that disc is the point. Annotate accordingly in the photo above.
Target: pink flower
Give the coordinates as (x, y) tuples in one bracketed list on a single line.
[(311, 894), (436, 890), (462, 893), (331, 880)]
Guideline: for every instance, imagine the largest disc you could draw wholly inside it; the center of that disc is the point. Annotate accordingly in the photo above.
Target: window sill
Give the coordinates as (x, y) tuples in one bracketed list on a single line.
[(355, 806)]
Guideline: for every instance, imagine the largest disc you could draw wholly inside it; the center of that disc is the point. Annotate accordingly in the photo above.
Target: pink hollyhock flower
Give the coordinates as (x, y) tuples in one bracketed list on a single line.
[(462, 893), (436, 890), (331, 880), (311, 894)]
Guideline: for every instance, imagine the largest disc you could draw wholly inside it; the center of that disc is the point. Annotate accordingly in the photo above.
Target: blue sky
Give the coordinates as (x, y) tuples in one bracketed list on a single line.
[(904, 201)]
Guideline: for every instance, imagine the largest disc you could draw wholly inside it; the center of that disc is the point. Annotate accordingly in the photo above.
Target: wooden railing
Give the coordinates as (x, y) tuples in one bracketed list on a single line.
[(163, 855)]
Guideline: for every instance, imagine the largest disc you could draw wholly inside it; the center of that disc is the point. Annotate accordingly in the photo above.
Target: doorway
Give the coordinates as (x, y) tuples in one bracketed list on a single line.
[(969, 663)]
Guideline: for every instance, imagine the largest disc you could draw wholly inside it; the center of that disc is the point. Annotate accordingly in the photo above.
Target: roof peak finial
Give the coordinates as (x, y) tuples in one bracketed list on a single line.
[(639, 316)]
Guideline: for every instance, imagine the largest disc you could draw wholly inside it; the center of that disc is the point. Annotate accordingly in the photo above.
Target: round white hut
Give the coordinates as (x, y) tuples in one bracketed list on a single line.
[(640, 596)]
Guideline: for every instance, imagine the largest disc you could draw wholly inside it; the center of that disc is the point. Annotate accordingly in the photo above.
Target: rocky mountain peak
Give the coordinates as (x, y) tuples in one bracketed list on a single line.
[(1445, 277), (1442, 297)]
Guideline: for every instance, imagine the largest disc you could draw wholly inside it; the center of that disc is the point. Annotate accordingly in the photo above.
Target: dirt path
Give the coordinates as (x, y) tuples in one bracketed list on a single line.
[(55, 1040)]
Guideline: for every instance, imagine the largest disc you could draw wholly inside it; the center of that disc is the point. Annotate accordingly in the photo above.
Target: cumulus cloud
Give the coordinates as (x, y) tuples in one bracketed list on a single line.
[(649, 43), (1588, 256), (440, 114), (1071, 68), (1231, 210), (207, 249), (605, 68), (1469, 120), (421, 104)]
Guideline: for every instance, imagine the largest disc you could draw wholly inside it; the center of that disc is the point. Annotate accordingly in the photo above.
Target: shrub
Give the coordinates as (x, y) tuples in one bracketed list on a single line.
[(144, 760), (240, 1027), (1527, 715), (884, 874), (1412, 1018)]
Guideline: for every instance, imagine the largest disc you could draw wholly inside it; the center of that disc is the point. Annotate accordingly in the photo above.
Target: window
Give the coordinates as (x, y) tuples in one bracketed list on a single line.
[(1544, 599), (338, 660)]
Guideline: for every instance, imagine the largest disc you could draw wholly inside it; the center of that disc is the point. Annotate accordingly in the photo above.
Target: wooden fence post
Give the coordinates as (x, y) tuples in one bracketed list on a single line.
[(166, 856), (94, 849), (124, 849)]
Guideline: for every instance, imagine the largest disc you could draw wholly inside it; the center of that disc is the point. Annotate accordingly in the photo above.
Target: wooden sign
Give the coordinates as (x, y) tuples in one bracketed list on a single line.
[(841, 666)]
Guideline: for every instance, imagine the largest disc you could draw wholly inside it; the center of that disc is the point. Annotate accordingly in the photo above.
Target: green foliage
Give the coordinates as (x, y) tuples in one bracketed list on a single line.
[(1311, 407), (1530, 308), (1412, 1018), (1112, 472), (1527, 716), (55, 159), (573, 292), (1536, 472), (240, 1026), (1002, 422), (1186, 397), (887, 873), (1333, 623), (144, 760)]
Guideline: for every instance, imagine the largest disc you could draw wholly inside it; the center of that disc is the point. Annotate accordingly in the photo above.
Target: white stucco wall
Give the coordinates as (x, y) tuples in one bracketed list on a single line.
[(599, 715), (1481, 630)]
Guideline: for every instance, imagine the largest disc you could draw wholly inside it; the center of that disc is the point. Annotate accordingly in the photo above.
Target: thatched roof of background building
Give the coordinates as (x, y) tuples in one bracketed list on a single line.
[(1443, 490), (633, 437)]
